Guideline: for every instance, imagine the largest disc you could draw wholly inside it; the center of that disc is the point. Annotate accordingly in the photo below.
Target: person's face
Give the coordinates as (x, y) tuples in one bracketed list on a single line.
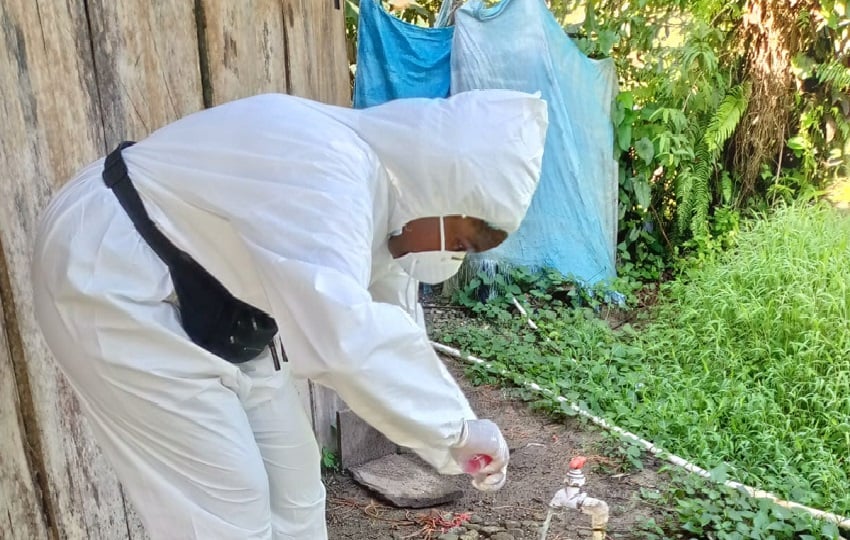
[(467, 234)]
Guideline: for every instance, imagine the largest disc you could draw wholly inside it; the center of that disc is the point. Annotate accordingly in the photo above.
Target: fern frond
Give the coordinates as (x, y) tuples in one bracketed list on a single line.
[(693, 192), (684, 183), (701, 195), (674, 118), (834, 74), (698, 49), (726, 119)]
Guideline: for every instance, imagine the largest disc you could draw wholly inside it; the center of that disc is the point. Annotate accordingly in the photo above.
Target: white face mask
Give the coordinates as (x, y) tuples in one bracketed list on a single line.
[(433, 266)]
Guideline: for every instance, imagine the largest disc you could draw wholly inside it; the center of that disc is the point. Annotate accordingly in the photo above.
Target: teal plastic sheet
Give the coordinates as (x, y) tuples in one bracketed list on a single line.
[(572, 222)]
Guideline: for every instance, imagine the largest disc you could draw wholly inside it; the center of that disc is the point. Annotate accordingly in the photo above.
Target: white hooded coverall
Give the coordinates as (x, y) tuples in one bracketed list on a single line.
[(289, 203)]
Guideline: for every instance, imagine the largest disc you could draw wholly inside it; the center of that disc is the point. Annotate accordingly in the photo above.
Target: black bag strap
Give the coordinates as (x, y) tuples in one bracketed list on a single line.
[(118, 180)]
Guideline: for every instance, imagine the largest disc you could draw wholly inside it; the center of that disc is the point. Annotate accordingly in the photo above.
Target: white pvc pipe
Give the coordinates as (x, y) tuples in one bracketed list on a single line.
[(839, 520), (524, 313)]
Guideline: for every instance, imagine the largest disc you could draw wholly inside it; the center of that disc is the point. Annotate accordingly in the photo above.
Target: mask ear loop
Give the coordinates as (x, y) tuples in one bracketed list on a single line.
[(442, 234), (410, 309)]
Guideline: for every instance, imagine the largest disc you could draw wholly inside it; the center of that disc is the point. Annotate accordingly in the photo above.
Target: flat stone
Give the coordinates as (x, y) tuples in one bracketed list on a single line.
[(406, 482)]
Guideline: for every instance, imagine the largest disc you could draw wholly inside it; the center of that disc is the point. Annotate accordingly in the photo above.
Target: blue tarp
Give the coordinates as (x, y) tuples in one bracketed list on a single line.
[(517, 44), (396, 59)]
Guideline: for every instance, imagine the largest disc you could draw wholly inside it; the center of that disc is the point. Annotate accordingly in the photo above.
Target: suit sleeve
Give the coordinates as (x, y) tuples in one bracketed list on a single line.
[(373, 354)]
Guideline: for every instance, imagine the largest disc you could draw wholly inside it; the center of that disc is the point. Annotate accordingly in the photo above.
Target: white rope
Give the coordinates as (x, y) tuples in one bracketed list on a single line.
[(840, 521)]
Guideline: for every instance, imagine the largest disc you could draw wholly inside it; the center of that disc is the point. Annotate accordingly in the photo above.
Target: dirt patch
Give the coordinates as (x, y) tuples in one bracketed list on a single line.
[(540, 450)]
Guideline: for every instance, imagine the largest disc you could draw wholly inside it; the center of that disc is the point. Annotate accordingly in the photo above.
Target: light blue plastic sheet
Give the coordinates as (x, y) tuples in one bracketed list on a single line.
[(572, 222), (517, 44), (396, 59)]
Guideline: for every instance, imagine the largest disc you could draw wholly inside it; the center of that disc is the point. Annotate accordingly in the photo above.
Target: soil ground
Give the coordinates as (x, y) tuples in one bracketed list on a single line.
[(540, 447)]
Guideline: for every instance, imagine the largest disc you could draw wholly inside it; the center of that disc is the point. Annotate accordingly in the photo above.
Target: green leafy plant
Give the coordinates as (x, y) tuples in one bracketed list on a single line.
[(687, 115), (705, 508), (330, 460), (673, 132)]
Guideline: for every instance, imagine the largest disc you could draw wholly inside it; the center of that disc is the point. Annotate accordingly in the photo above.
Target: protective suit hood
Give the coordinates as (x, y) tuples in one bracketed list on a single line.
[(477, 154)]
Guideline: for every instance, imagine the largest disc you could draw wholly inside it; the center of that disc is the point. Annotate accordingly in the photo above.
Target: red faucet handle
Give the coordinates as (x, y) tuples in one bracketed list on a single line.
[(577, 462)]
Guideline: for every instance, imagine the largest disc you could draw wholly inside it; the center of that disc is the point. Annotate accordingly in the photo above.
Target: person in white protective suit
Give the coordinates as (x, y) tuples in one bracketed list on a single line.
[(310, 213)]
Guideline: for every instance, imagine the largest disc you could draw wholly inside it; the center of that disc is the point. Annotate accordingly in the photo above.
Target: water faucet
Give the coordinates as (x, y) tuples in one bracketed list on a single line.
[(573, 497)]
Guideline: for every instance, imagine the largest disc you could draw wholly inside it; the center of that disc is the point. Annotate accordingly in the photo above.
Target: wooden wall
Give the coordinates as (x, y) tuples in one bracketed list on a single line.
[(76, 77)]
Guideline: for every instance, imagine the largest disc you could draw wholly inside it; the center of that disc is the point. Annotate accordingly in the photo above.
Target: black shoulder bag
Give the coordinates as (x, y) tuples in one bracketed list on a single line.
[(212, 317)]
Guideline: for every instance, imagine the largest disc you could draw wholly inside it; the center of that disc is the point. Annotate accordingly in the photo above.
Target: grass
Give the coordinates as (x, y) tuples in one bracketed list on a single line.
[(744, 363), (760, 344)]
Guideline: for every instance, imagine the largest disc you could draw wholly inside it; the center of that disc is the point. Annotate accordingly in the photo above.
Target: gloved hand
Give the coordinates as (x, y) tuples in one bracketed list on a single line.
[(483, 453)]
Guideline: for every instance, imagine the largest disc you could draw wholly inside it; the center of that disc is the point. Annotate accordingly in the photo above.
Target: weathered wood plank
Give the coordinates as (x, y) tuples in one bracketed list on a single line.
[(21, 517), (146, 56), (76, 77), (135, 529), (245, 52), (147, 73), (273, 46), (51, 127), (146, 65), (317, 61), (324, 404)]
